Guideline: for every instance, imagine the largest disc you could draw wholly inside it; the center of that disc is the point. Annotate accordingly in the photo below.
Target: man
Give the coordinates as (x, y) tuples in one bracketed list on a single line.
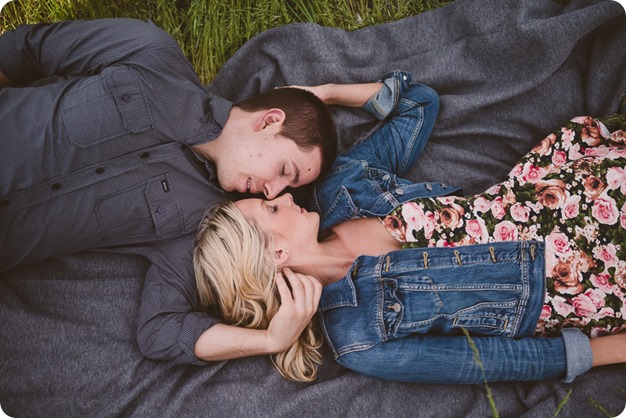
[(109, 140)]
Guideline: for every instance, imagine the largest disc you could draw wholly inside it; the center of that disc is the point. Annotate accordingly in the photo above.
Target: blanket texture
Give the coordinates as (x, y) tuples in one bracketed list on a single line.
[(508, 72)]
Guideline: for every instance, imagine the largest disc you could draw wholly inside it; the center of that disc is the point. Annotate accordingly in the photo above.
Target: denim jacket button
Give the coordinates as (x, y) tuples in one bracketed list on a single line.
[(399, 191), (429, 187), (386, 177), (397, 307)]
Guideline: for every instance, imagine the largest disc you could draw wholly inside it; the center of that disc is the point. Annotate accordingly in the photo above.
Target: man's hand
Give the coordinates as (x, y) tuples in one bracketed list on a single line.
[(296, 310), (4, 81)]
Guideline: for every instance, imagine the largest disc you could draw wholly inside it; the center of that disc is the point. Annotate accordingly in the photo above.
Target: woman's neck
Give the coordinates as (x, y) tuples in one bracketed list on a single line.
[(334, 256)]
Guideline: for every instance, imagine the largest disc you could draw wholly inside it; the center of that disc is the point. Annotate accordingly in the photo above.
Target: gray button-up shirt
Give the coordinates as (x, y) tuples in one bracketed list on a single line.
[(101, 157)]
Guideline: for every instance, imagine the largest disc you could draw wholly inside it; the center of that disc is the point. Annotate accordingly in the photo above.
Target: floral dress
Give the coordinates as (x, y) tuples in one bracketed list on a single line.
[(570, 192)]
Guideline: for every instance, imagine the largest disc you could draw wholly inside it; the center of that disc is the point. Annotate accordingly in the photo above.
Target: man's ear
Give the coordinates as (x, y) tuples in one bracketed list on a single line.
[(281, 256), (270, 117)]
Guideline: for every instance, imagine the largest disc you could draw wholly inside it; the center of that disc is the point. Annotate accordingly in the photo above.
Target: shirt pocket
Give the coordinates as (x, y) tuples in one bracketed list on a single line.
[(149, 209), (104, 107)]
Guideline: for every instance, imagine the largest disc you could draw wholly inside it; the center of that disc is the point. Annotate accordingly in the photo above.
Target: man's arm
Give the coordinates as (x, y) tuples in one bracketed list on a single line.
[(32, 52), (223, 342), (172, 327)]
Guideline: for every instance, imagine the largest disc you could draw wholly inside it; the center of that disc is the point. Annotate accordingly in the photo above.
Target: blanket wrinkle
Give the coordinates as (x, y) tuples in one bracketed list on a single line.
[(508, 72)]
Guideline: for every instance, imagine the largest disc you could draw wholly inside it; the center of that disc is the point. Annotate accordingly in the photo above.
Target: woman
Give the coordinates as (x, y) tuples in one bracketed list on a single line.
[(406, 273)]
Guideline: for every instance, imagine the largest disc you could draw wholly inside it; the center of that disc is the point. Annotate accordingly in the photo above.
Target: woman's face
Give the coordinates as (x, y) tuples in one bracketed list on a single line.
[(281, 217)]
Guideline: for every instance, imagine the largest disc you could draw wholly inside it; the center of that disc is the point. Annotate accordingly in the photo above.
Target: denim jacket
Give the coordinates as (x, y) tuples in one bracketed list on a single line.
[(400, 316)]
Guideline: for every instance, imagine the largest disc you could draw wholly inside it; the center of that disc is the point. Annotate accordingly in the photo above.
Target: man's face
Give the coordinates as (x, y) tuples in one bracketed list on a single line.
[(267, 165)]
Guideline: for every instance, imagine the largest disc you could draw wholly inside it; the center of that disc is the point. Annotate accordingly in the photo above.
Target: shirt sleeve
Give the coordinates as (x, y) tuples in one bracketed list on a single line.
[(409, 112), (460, 360), (72, 48), (170, 320)]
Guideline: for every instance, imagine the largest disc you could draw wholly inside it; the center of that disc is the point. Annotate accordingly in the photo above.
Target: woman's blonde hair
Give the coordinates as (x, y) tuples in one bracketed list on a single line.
[(235, 271)]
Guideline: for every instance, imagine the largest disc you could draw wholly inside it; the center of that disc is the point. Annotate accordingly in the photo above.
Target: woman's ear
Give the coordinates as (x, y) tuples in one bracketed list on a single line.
[(281, 256)]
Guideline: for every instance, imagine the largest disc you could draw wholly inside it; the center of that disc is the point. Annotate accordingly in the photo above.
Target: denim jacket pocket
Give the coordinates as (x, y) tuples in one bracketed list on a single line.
[(102, 108)]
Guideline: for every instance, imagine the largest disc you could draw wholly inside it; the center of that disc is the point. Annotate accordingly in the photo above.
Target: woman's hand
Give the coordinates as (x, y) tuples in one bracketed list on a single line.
[(296, 310)]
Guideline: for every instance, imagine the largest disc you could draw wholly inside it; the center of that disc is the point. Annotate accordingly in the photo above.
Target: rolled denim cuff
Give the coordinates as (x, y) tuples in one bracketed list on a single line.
[(383, 102), (577, 353)]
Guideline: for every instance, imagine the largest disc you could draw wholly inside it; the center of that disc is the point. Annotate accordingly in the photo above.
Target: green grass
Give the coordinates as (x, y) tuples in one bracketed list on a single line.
[(210, 31)]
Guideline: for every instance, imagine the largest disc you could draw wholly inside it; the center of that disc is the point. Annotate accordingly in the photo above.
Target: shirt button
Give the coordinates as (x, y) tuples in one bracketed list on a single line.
[(404, 77), (99, 170), (55, 186), (160, 209), (399, 191), (126, 97), (144, 155), (429, 187), (397, 307)]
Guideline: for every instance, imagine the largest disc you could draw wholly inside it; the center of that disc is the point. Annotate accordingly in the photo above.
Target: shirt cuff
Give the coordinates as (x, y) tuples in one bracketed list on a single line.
[(577, 353), (383, 102)]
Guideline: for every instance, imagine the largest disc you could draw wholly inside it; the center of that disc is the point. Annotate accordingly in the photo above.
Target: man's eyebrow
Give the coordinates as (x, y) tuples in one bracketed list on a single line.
[(296, 177)]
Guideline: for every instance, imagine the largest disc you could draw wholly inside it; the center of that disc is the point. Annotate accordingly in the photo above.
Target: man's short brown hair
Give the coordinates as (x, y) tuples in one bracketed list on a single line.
[(308, 121)]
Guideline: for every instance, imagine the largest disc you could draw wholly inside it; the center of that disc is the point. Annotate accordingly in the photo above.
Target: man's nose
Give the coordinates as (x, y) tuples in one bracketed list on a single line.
[(273, 188)]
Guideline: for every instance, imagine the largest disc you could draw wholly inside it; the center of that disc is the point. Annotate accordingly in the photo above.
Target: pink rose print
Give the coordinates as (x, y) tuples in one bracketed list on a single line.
[(620, 275), (561, 306), (559, 158), (571, 207), (414, 217), (531, 173), (476, 228), (429, 224), (615, 177), (618, 136), (598, 332), (559, 243), (519, 212), (482, 205), (493, 190), (567, 137), (497, 208), (605, 210), (546, 312), (574, 152), (583, 306), (596, 296), (505, 231), (516, 171), (600, 151), (601, 282), (606, 253)]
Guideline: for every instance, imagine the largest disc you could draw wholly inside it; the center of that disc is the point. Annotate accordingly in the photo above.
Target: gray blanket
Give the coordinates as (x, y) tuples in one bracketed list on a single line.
[(507, 71)]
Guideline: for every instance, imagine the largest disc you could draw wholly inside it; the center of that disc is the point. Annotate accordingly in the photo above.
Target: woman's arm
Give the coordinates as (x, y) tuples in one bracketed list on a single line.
[(609, 349), (460, 360), (223, 342), (349, 95)]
